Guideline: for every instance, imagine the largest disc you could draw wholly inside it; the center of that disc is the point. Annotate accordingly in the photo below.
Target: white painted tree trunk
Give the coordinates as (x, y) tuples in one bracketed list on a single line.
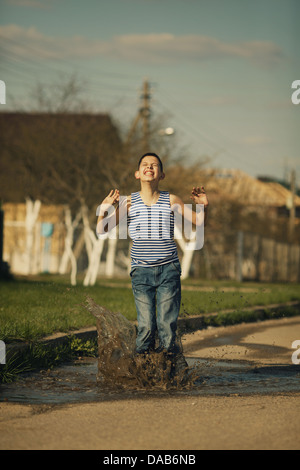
[(94, 261), (32, 212), (188, 249), (37, 256), (110, 257), (89, 235), (68, 254), (94, 248)]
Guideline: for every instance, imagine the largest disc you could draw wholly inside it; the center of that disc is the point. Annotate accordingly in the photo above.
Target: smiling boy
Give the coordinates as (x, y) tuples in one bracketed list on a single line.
[(155, 267)]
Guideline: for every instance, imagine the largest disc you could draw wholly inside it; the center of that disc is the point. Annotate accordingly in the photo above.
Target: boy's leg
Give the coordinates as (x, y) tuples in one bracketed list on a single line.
[(144, 295), (168, 306)]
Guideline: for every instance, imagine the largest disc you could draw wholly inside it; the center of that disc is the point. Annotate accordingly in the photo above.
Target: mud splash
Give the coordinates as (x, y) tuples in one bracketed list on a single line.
[(116, 374), (119, 367), (77, 383)]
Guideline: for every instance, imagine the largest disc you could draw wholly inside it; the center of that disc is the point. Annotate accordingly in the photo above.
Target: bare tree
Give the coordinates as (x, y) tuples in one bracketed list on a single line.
[(53, 155), (61, 153)]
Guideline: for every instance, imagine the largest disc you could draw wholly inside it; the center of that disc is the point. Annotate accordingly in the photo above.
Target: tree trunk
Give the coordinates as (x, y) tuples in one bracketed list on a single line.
[(68, 254), (188, 249), (94, 248), (110, 257), (32, 212)]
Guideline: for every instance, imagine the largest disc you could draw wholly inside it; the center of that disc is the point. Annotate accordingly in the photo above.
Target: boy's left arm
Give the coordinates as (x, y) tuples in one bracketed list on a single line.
[(199, 196)]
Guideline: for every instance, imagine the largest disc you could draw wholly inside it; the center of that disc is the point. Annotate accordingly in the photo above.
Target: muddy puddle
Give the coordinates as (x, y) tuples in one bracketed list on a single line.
[(76, 382)]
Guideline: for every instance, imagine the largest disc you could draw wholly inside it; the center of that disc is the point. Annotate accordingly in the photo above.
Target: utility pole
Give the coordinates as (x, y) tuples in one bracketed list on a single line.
[(144, 116), (292, 206), (145, 113)]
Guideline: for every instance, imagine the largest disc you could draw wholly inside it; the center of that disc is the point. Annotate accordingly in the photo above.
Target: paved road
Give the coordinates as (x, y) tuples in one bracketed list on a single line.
[(176, 422), (268, 342)]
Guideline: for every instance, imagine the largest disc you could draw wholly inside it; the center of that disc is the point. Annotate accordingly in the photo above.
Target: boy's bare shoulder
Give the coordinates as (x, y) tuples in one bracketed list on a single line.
[(175, 199)]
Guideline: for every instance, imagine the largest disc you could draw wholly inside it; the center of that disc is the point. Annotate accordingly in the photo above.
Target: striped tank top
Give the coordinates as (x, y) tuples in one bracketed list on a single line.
[(152, 230)]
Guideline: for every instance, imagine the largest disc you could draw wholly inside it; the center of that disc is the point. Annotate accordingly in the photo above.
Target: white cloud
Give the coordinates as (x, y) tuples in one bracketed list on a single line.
[(148, 48)]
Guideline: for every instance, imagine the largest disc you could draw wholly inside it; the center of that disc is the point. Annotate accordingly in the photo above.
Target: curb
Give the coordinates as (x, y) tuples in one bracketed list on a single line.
[(198, 322), (54, 340), (188, 324)]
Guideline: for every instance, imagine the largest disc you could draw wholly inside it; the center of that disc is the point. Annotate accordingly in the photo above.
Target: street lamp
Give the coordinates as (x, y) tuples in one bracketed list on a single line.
[(167, 131)]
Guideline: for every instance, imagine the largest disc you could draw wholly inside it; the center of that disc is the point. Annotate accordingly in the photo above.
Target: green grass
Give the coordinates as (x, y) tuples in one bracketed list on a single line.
[(241, 296), (32, 309), (42, 356)]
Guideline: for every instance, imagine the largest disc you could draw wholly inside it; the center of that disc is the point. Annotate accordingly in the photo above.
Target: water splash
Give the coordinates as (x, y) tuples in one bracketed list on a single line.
[(120, 367)]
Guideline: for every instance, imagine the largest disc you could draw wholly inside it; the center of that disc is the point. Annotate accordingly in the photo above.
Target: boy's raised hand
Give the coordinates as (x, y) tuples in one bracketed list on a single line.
[(199, 196), (112, 197)]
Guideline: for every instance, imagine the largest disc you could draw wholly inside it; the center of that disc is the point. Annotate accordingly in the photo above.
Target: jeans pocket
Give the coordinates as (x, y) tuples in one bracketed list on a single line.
[(132, 272), (176, 266)]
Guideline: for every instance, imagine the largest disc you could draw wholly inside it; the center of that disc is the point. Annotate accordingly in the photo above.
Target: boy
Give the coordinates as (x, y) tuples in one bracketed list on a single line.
[(155, 268)]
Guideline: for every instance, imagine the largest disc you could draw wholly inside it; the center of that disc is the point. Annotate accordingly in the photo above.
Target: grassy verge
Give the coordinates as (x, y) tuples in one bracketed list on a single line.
[(238, 316), (42, 356), (32, 309)]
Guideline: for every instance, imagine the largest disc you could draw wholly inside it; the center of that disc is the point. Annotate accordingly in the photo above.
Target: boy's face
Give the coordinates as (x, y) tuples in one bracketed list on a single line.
[(149, 169)]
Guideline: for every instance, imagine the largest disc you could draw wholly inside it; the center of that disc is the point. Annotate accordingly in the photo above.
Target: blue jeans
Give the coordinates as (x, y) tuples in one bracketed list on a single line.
[(158, 289)]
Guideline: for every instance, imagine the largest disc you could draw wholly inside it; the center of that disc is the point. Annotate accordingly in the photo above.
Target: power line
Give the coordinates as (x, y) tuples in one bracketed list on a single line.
[(61, 62), (229, 153), (190, 128)]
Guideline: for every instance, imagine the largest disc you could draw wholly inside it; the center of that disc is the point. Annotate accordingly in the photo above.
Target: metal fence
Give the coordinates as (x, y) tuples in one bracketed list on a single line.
[(246, 256)]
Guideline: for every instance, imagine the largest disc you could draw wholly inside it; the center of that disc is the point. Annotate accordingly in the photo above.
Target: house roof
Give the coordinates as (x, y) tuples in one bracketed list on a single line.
[(31, 119), (237, 185)]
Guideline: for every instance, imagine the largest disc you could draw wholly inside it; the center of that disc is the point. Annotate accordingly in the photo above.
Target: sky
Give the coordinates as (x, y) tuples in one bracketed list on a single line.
[(220, 71)]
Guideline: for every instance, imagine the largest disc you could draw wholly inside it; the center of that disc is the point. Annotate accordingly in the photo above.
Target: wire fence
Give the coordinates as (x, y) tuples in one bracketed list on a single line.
[(246, 256)]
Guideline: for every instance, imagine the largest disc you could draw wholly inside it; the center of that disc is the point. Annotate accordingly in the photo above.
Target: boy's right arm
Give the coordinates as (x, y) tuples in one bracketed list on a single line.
[(111, 210), (104, 211)]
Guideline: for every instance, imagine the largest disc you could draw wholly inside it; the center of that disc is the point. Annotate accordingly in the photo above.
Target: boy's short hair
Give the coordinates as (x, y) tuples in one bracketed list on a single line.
[(149, 154)]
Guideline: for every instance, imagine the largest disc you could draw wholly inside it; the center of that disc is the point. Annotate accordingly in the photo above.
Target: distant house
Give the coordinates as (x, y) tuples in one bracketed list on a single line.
[(249, 233), (239, 187), (47, 237)]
